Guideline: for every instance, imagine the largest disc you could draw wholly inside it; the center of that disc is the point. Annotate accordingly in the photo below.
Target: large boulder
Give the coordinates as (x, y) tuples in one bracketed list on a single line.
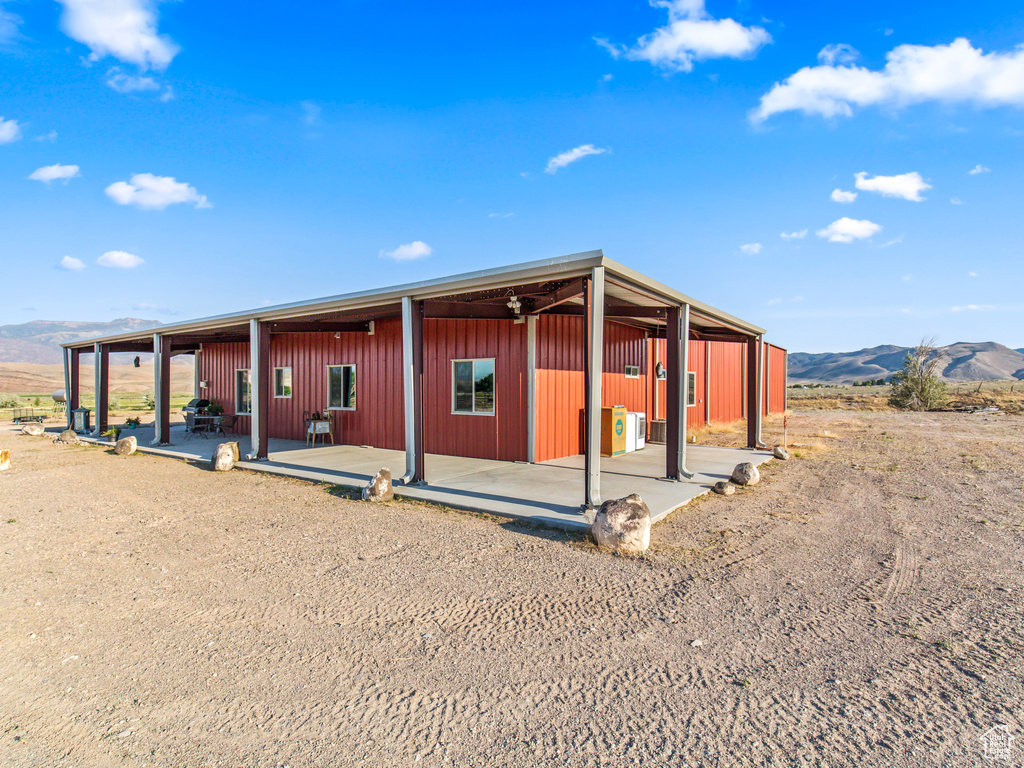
[(69, 437), (32, 429), (746, 474), (379, 488), (126, 446), (780, 453), (5, 460), (224, 457), (724, 488), (623, 525)]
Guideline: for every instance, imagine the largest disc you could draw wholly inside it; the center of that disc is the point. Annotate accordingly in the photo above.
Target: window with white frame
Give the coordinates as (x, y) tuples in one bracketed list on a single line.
[(283, 382), (243, 391), (691, 388), (473, 386), (341, 387), (632, 372)]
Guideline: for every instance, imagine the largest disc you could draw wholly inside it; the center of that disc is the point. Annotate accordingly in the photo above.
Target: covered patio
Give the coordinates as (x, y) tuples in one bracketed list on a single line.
[(546, 493)]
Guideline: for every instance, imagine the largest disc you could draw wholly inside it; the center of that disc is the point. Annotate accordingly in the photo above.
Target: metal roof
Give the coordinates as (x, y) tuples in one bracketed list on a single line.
[(642, 291)]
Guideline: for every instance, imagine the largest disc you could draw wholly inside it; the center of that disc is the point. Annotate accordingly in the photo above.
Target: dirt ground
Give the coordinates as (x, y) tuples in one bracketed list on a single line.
[(860, 606)]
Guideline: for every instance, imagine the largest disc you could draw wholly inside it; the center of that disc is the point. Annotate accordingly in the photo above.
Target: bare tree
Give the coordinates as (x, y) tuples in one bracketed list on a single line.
[(916, 386)]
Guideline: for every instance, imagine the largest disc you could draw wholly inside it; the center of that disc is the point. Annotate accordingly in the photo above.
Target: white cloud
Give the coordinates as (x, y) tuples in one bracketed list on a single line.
[(417, 249), (751, 249), (155, 192), (124, 29), (10, 131), (119, 260), (311, 113), (50, 137), (907, 278), (895, 241), (56, 172), (691, 35), (500, 215), (956, 201), (840, 196), (908, 186), (979, 169), (8, 26), (974, 308), (952, 73), (972, 274), (71, 264), (773, 302), (562, 160), (838, 54), (124, 83), (846, 230), (798, 235)]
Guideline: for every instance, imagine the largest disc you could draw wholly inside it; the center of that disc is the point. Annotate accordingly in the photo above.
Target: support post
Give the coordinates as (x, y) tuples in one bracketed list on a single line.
[(195, 371), (754, 392), (259, 383), (593, 368), (74, 396), (531, 388), (66, 355), (677, 342), (412, 379), (162, 389), (102, 377)]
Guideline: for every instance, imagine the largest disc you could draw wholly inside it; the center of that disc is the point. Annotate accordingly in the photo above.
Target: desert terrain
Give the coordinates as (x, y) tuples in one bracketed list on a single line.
[(860, 606)]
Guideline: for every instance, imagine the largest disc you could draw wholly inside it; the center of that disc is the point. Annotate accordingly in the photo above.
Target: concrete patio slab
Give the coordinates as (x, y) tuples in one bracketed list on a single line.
[(548, 493)]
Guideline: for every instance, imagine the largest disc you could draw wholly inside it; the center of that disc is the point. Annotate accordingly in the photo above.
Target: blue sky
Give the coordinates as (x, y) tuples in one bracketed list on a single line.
[(189, 159)]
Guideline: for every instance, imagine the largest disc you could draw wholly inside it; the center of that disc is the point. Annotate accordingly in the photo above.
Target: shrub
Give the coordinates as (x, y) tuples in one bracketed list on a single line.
[(916, 386), (9, 401), (148, 403)]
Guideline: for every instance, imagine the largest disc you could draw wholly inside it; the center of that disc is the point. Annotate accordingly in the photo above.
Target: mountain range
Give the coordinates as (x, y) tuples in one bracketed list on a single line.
[(963, 361), (39, 341)]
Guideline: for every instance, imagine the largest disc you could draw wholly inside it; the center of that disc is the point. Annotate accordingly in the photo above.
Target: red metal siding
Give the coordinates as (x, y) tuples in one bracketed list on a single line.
[(775, 379), (559, 394), (696, 363), (728, 380), (502, 436), (378, 419), (217, 365)]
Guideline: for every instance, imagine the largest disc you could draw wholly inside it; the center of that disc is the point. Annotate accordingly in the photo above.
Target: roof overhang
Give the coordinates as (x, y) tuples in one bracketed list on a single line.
[(625, 288)]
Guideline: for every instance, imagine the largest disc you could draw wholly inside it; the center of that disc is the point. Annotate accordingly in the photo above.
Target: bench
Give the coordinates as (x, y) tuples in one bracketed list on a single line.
[(22, 415)]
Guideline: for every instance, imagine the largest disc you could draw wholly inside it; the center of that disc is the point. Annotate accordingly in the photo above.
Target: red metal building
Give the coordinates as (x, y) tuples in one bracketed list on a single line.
[(511, 364)]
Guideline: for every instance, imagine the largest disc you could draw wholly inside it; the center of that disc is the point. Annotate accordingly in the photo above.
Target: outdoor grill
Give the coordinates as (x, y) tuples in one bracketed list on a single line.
[(196, 405)]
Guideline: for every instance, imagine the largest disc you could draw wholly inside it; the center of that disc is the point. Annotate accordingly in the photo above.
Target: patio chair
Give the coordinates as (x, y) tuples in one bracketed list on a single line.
[(226, 423), (193, 427)]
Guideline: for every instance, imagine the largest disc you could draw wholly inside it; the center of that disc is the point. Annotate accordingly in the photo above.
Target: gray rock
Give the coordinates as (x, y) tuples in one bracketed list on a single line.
[(32, 429), (224, 457), (379, 488), (5, 460), (746, 474), (126, 446), (623, 525), (725, 488), (780, 453), (69, 437)]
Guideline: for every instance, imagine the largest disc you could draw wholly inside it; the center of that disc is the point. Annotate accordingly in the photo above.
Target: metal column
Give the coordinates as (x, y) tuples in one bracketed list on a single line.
[(259, 383), (102, 377), (592, 369), (412, 379), (531, 388), (162, 389), (678, 392)]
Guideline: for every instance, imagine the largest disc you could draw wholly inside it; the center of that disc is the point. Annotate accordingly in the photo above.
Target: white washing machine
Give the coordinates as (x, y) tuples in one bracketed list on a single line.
[(636, 430)]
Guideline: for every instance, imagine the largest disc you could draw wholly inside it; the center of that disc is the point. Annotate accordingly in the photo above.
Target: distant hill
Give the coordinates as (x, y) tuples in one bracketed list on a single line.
[(39, 341), (963, 361)]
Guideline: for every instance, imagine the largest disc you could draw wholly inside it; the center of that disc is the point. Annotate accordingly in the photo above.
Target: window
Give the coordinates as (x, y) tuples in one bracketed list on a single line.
[(282, 382), (691, 388), (341, 387), (243, 391), (632, 371), (473, 386)]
